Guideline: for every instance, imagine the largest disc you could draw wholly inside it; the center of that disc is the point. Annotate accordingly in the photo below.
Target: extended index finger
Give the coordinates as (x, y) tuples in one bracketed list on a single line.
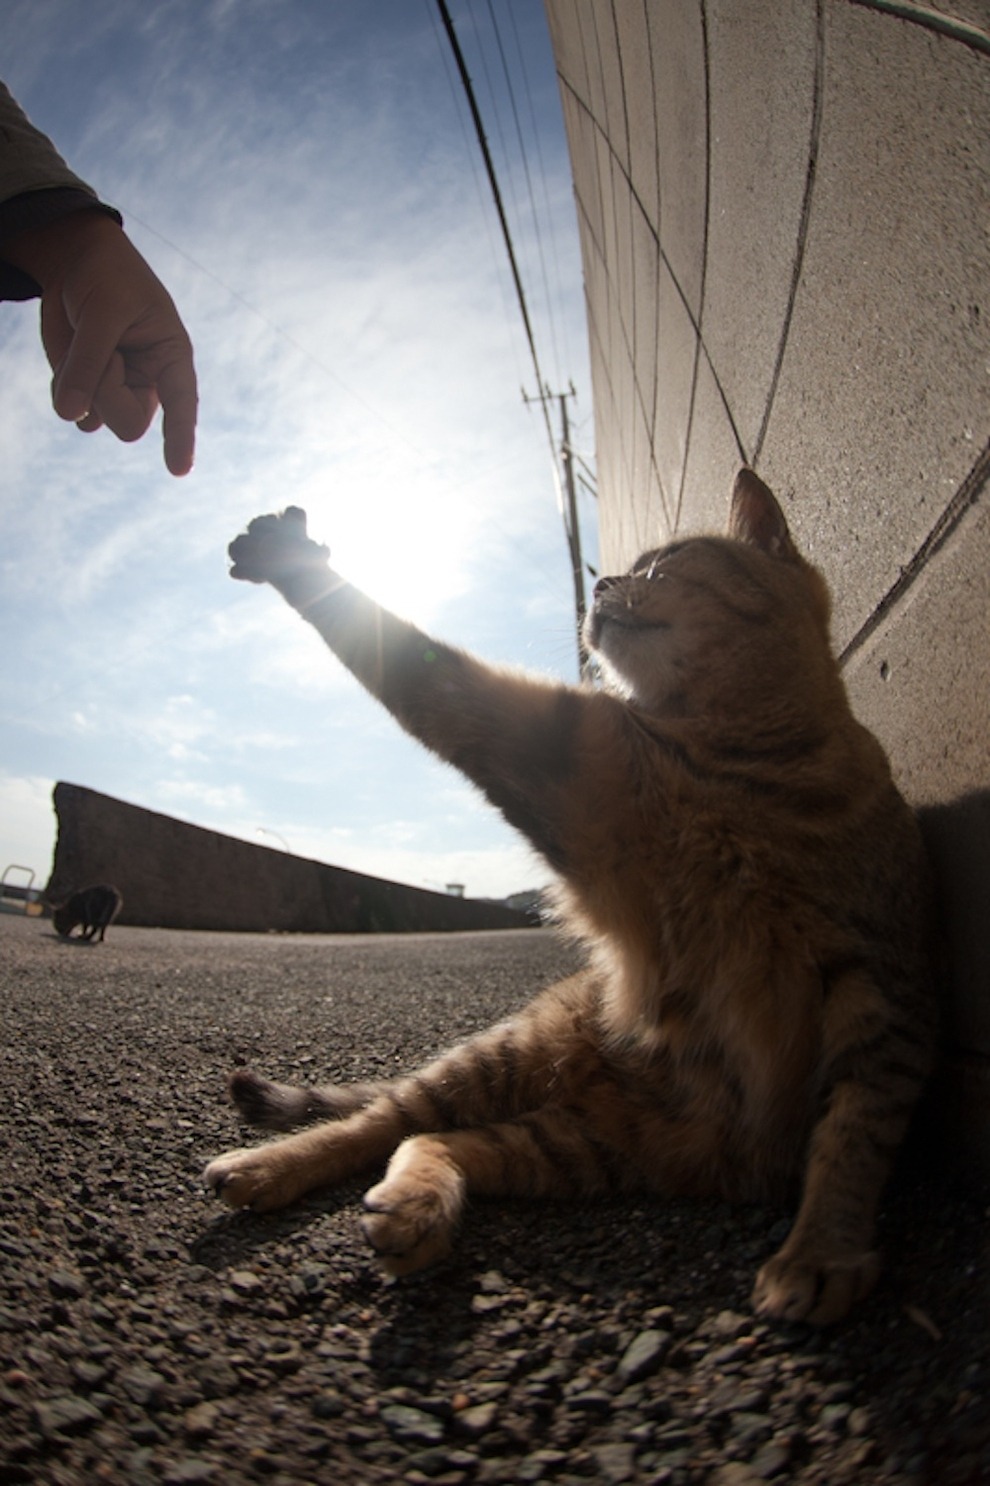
[(178, 395)]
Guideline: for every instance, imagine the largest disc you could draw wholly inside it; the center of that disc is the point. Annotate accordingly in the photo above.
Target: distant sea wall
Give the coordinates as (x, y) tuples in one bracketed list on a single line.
[(179, 876)]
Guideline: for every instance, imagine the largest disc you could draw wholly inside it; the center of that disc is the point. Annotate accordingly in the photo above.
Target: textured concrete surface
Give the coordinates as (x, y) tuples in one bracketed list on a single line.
[(149, 1337), (783, 208), (177, 876)]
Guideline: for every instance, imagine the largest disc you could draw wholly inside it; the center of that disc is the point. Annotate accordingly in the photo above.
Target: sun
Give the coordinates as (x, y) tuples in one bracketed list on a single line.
[(406, 538)]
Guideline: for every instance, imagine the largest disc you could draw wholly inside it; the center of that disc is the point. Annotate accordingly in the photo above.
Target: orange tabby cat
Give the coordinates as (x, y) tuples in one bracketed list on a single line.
[(756, 1012)]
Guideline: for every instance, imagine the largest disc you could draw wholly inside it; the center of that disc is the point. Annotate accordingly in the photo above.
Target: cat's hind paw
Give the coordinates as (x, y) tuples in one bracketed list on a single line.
[(274, 547), (411, 1217), (817, 1290), (268, 1105)]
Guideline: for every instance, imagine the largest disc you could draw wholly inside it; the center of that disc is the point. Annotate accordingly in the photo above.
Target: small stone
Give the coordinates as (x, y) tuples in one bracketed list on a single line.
[(143, 1385), (476, 1420), (245, 1281), (482, 1305), (201, 1420), (88, 1374), (834, 1417), (412, 1426), (722, 1356), (540, 1466), (328, 1406), (146, 1432), (493, 1283), (217, 1378), (675, 1460), (735, 1474), (590, 1401), (644, 1355), (750, 1429), (426, 1464), (66, 1415), (771, 1459), (189, 1471), (65, 1285), (616, 1462), (283, 1356), (731, 1323), (310, 1283), (748, 1401)]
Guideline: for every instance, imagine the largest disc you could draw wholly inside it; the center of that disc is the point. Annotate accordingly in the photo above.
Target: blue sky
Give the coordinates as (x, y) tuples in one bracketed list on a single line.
[(303, 177)]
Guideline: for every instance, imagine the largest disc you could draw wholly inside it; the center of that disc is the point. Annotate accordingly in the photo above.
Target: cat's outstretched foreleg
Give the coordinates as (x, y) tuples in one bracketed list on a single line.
[(267, 1177), (517, 738)]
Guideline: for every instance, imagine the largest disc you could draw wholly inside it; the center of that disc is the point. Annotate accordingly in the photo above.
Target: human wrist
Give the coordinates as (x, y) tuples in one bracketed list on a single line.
[(44, 251)]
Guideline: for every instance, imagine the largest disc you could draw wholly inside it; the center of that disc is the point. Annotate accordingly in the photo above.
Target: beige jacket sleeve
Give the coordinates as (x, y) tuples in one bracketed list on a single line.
[(36, 187)]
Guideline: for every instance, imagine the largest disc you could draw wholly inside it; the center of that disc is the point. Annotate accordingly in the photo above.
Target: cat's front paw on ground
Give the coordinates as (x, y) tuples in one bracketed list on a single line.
[(257, 1177), (411, 1217), (815, 1289), (274, 547)]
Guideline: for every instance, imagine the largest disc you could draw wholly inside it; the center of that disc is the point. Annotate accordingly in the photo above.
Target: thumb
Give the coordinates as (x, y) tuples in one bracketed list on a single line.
[(70, 403)]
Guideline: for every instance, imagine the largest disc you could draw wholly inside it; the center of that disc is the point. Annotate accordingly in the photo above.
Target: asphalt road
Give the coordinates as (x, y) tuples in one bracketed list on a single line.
[(148, 1336)]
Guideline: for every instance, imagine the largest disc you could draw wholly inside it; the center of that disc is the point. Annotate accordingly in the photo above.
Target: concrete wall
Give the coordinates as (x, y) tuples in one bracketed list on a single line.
[(783, 214), (177, 876)]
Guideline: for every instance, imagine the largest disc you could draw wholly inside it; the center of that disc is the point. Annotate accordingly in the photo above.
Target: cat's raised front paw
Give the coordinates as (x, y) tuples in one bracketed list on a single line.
[(813, 1289), (411, 1217), (274, 547), (258, 1178)]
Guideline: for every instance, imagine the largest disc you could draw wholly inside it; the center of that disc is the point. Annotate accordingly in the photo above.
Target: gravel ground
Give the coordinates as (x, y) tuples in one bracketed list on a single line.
[(148, 1336)]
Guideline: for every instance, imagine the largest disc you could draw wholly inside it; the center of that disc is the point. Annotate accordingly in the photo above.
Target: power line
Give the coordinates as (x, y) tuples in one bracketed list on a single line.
[(470, 154), (542, 171), (566, 493), (479, 130), (529, 181)]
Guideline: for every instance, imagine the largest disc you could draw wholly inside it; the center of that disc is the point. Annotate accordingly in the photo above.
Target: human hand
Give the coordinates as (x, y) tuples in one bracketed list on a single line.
[(112, 334)]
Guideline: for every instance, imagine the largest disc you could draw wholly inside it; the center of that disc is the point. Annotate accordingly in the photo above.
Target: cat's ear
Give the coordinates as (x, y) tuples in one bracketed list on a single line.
[(756, 518)]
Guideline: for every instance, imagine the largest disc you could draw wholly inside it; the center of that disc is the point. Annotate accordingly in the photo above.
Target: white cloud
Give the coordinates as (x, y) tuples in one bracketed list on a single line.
[(27, 824), (212, 802)]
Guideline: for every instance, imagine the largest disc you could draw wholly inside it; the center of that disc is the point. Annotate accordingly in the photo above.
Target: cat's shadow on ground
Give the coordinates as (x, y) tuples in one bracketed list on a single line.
[(235, 1238)]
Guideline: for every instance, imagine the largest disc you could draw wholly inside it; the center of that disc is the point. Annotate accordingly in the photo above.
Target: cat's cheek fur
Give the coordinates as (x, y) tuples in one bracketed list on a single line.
[(635, 667)]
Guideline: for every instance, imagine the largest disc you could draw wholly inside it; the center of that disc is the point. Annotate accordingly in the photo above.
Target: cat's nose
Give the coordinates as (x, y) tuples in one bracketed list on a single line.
[(604, 584)]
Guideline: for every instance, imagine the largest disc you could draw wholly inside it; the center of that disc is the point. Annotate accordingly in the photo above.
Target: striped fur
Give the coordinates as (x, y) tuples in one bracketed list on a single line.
[(756, 1013)]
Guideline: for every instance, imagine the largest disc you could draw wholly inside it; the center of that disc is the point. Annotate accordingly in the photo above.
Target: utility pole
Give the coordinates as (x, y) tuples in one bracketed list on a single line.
[(568, 500)]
